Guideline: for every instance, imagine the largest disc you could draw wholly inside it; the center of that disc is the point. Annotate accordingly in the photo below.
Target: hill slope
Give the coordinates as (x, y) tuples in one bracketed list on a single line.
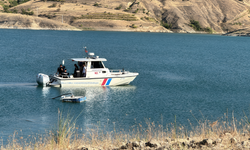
[(141, 15)]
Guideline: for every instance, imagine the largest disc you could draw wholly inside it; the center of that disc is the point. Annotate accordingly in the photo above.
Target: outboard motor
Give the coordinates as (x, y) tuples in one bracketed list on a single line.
[(42, 79)]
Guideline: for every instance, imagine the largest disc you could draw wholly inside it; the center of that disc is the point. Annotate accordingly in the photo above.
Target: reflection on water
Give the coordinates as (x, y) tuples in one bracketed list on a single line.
[(97, 93), (45, 91), (101, 103)]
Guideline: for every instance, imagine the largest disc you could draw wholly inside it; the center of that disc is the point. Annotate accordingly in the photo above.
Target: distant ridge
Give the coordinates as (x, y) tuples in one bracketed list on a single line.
[(213, 16)]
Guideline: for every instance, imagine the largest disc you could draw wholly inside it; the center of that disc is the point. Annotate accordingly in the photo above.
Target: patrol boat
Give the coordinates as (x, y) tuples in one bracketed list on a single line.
[(96, 75)]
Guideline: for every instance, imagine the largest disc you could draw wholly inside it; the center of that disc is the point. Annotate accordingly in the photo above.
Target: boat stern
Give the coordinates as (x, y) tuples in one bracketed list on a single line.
[(42, 79)]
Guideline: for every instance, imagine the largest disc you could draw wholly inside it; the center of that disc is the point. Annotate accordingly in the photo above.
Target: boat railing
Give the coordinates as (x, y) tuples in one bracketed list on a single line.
[(118, 71)]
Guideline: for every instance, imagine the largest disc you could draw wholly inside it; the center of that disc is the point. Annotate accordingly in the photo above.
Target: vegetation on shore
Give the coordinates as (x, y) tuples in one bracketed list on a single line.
[(166, 25), (196, 26), (149, 16), (219, 134), (12, 3)]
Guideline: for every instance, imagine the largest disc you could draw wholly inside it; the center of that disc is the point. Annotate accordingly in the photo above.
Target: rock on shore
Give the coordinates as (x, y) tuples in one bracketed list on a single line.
[(224, 141)]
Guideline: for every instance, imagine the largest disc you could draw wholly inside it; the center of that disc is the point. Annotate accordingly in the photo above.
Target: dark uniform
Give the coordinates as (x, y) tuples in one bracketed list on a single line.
[(76, 68), (65, 74), (60, 69)]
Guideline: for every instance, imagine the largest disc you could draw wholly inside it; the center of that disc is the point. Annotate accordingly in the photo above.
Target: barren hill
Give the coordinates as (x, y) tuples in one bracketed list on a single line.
[(135, 15)]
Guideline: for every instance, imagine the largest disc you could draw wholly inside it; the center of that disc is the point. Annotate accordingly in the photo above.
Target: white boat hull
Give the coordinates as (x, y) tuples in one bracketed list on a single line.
[(102, 81)]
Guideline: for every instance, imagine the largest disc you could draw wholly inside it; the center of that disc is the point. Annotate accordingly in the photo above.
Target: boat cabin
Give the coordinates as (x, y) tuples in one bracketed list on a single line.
[(94, 66)]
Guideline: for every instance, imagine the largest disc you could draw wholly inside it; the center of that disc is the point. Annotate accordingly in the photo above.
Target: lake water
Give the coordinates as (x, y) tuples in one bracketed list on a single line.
[(178, 73)]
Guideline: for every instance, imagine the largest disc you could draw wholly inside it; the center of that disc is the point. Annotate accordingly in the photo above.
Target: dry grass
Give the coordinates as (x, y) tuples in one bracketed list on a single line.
[(66, 136), (109, 16)]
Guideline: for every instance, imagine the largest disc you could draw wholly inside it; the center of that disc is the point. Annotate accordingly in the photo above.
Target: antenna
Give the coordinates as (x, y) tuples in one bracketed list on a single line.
[(86, 51)]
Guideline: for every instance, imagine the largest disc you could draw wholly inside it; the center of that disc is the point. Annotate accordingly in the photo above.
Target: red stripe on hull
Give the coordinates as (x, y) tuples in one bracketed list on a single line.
[(104, 81)]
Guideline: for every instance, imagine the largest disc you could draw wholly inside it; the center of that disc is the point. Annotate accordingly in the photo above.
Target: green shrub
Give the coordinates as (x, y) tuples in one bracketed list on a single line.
[(27, 12), (208, 29), (6, 9), (127, 9), (166, 25), (119, 7), (22, 1), (13, 3), (96, 4), (15, 11), (237, 23), (136, 10), (31, 13), (134, 26), (53, 5), (195, 25)]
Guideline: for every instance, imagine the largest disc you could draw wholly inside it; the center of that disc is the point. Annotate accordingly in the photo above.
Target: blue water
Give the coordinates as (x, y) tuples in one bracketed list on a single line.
[(178, 73)]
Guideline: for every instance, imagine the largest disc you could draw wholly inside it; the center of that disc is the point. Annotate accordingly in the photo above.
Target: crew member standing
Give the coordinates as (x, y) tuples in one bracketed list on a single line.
[(60, 69), (84, 70), (76, 68)]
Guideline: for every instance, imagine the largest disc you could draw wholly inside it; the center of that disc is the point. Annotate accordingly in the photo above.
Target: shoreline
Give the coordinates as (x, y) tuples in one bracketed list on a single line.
[(207, 135), (136, 16), (125, 30), (76, 29), (108, 30), (223, 133)]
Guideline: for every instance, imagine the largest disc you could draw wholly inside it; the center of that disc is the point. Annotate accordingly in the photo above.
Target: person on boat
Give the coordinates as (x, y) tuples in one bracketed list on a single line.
[(76, 68), (83, 70), (80, 65), (59, 69), (65, 74)]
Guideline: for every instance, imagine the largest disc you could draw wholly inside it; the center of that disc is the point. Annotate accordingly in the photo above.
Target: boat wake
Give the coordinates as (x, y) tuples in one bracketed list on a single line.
[(174, 77), (16, 84)]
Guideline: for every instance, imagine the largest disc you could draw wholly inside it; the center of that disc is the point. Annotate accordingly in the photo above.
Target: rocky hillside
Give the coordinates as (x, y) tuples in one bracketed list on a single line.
[(27, 22), (188, 16)]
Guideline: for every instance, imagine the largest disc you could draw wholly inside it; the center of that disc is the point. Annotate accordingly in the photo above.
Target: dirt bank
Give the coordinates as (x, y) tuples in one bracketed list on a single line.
[(217, 16)]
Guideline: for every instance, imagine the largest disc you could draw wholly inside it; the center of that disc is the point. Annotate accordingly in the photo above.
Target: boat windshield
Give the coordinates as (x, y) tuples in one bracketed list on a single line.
[(96, 64)]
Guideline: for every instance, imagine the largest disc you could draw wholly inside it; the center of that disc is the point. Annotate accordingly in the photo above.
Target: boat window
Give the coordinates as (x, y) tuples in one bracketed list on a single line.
[(80, 63), (96, 64)]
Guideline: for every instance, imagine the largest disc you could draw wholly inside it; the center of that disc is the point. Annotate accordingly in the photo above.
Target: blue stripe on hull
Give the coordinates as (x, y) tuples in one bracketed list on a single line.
[(109, 80)]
